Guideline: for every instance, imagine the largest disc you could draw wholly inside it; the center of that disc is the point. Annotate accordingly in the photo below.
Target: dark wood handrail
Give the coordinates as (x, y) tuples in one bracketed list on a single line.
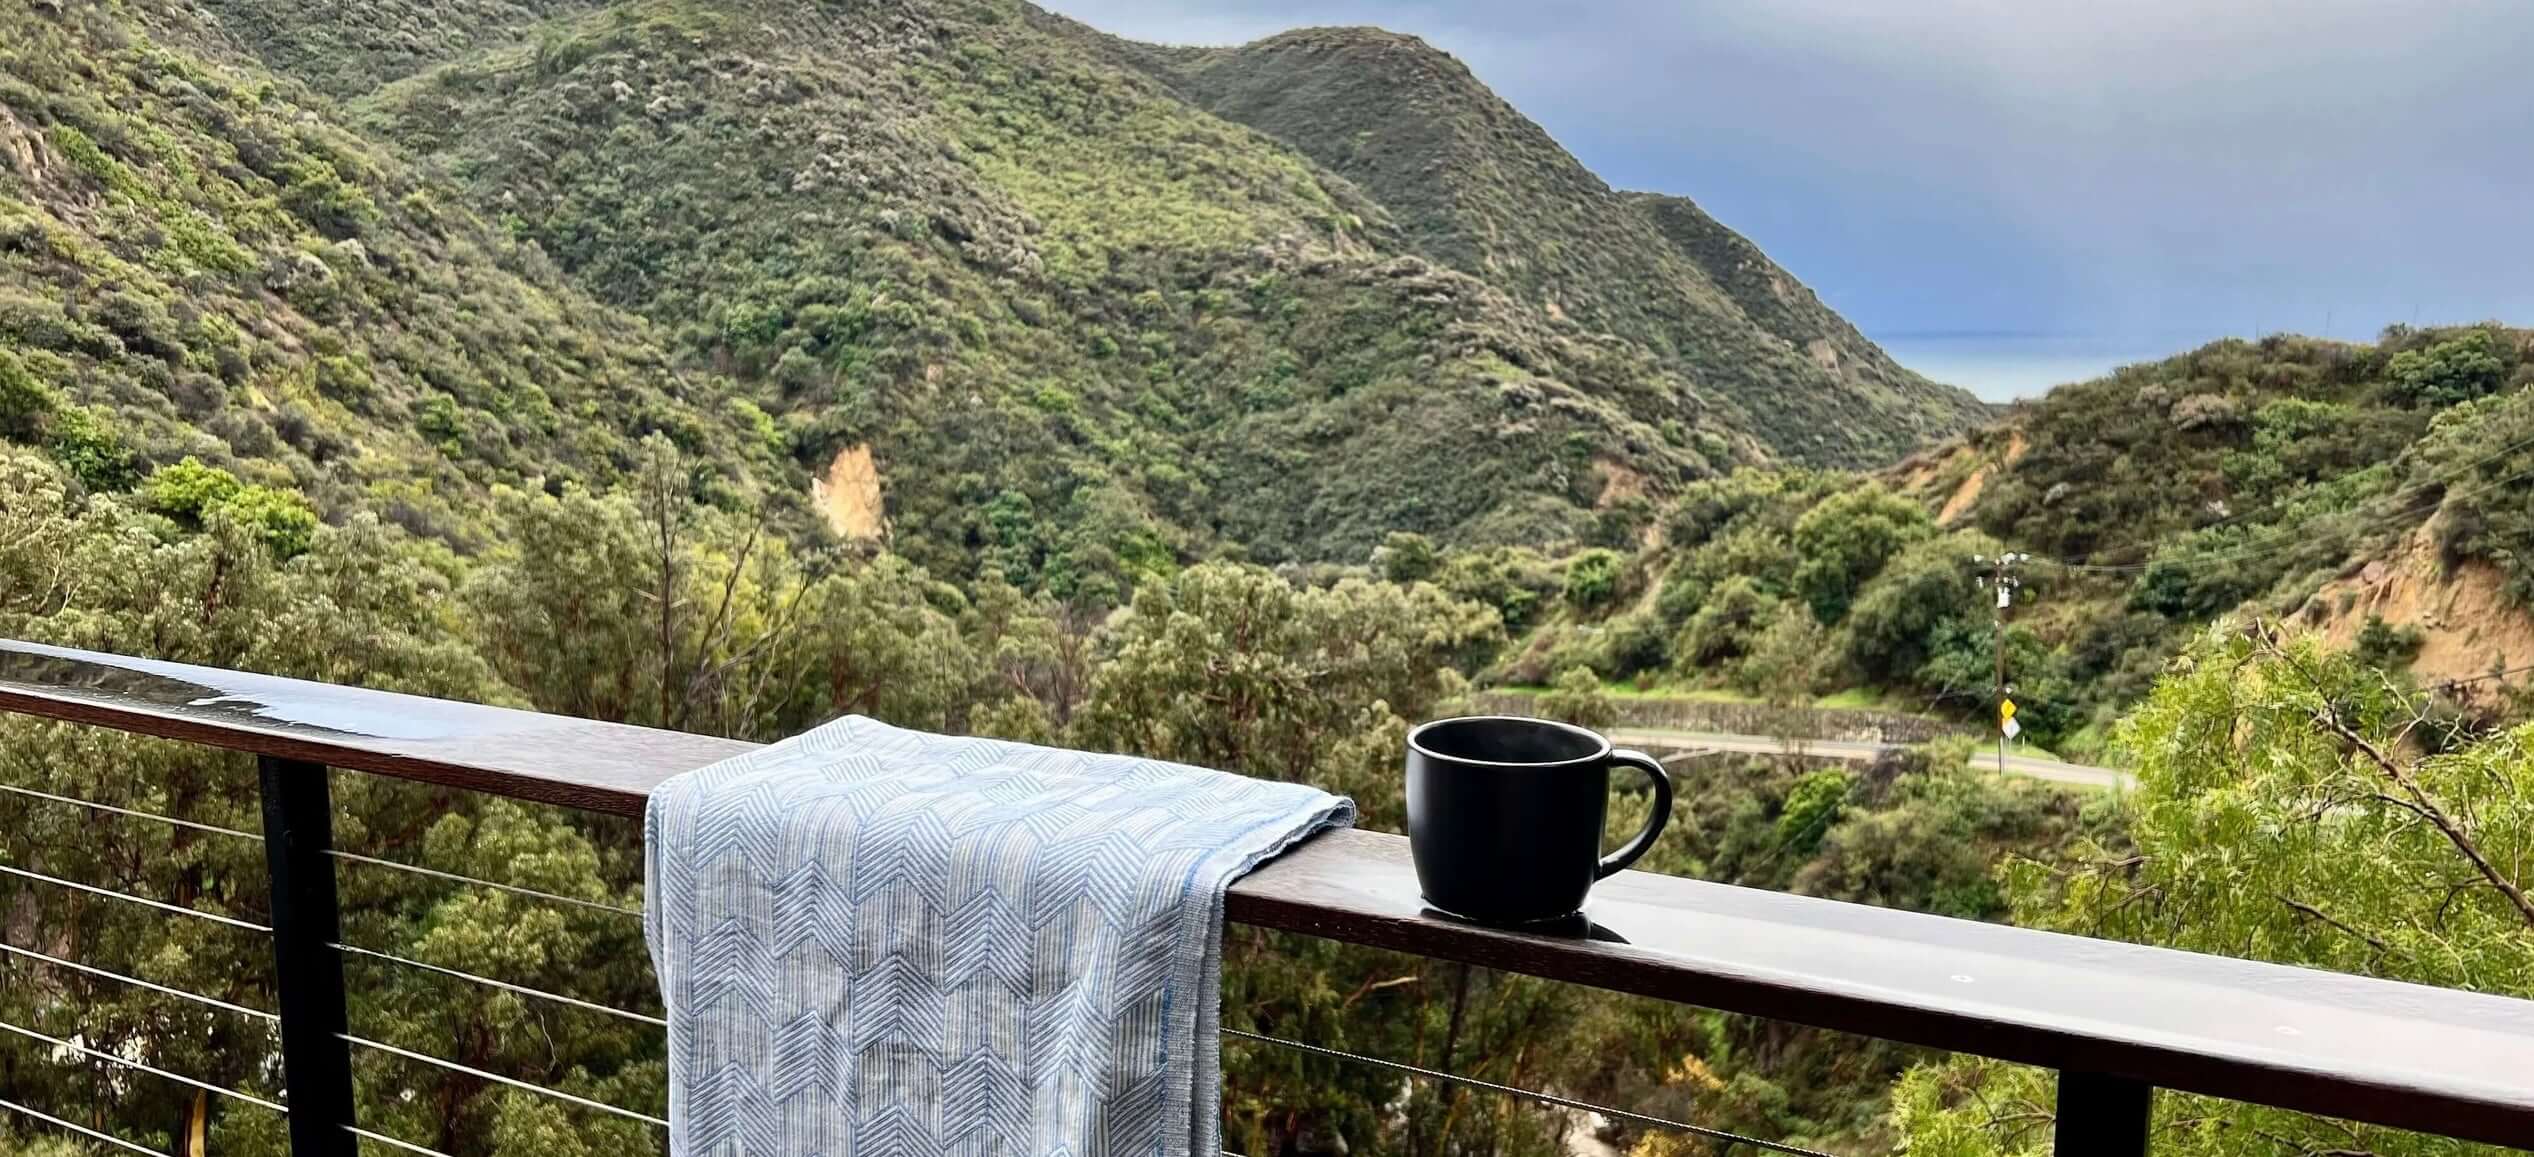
[(2442, 1061)]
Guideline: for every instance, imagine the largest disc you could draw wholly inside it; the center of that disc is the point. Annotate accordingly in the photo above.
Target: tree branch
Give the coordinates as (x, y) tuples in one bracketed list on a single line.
[(2312, 912), (2435, 815), (2327, 717)]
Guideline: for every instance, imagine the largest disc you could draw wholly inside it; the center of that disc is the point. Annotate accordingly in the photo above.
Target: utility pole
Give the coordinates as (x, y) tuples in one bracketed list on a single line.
[(2002, 579)]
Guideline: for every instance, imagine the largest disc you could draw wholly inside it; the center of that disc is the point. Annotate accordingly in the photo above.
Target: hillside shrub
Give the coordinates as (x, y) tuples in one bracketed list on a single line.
[(193, 494), (1578, 698), (1406, 557), (1724, 627), (1592, 578), (2458, 369)]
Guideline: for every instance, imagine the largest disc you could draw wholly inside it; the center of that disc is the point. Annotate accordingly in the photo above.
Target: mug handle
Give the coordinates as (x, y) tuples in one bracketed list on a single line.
[(1628, 852)]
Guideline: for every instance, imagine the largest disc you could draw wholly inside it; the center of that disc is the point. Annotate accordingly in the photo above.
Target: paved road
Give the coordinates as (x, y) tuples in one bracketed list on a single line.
[(1861, 751)]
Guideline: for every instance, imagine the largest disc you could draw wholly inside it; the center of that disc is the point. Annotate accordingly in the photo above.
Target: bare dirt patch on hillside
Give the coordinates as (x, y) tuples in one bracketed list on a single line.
[(848, 494), (1959, 502), (2470, 623), (1964, 496), (1619, 483)]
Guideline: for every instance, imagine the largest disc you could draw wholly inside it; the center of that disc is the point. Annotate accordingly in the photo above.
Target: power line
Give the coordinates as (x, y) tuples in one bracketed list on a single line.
[(2467, 468), (2502, 673)]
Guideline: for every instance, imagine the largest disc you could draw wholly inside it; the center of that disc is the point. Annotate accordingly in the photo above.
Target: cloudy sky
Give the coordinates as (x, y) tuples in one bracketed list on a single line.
[(2010, 191)]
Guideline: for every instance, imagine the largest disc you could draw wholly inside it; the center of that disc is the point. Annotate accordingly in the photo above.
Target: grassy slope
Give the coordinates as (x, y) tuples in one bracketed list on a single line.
[(1086, 325), (2248, 475), (219, 271), (2308, 481), (1478, 186), (343, 49)]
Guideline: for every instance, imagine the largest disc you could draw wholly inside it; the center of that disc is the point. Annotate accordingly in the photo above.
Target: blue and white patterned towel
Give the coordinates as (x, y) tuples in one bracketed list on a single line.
[(875, 941)]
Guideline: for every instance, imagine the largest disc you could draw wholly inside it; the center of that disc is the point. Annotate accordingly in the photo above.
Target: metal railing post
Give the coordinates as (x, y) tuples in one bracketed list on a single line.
[(2102, 1116), (316, 1061)]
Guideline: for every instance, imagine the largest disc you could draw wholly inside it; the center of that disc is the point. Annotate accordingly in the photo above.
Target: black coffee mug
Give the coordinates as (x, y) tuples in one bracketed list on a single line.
[(1505, 815)]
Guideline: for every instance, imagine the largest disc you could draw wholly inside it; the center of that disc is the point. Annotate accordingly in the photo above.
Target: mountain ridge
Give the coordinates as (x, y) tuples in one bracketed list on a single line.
[(1207, 339), (217, 272), (1469, 176)]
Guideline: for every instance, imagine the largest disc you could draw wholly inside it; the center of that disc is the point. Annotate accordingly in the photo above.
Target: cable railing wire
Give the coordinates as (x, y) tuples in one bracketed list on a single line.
[(92, 970), (504, 985), (392, 1142), (437, 874), (161, 905), (497, 1078), (153, 817), (153, 1070), (1532, 1094), (82, 1130), (351, 857)]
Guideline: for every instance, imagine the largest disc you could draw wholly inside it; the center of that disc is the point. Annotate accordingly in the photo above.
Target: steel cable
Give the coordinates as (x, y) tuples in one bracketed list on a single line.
[(110, 1058), (1546, 1098), (497, 1078), (505, 985), (153, 986), (82, 1130)]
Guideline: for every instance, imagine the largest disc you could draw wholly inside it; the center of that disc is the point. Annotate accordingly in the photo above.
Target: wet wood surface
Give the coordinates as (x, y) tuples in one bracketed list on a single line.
[(556, 759)]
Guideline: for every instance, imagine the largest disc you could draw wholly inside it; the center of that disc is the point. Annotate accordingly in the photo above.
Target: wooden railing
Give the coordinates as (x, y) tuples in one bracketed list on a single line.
[(2117, 1021)]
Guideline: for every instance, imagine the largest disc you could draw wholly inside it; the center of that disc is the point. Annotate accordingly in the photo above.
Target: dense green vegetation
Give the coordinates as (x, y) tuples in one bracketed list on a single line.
[(485, 349), (1089, 329), (1475, 185), (2241, 475), (1311, 682), (2279, 816), (193, 266)]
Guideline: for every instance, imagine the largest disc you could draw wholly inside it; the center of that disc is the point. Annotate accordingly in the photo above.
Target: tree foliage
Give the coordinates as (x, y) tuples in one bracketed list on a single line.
[(1577, 697), (528, 422), (2278, 816), (1592, 579), (195, 265), (1846, 540)]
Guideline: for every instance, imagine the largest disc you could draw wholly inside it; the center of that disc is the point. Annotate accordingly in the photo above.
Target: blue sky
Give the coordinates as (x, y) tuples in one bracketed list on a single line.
[(2020, 189)]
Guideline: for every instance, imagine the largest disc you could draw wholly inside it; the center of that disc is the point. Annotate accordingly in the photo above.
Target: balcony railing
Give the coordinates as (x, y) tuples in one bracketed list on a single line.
[(2117, 1021)]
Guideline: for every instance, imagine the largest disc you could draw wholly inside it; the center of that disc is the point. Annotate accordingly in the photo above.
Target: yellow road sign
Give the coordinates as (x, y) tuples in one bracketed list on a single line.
[(2006, 711)]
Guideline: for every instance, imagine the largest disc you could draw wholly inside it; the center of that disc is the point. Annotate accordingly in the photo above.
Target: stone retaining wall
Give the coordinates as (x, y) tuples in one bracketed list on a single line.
[(1752, 718)]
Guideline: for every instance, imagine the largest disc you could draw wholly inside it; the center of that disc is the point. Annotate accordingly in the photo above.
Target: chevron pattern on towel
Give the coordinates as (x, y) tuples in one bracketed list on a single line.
[(874, 941)]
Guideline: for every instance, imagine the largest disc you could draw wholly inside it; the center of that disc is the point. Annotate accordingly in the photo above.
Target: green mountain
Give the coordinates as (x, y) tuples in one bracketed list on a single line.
[(193, 264), (1478, 186), (2375, 494), (1067, 323), (1041, 306)]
